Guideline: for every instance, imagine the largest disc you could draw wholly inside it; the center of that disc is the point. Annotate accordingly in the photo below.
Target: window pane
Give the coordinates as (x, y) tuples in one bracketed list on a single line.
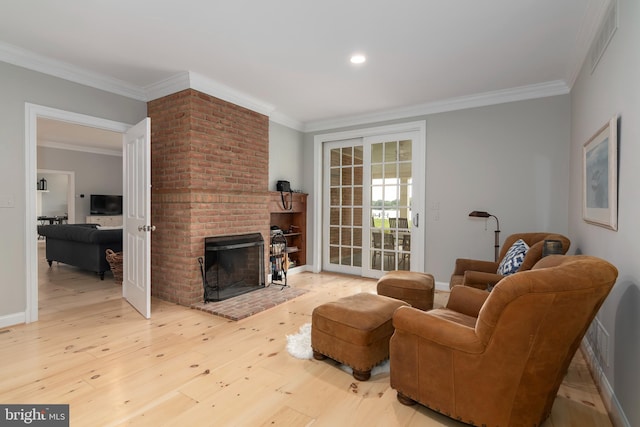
[(405, 170), (335, 177), (405, 151), (334, 216), (346, 216), (376, 260), (357, 217), (347, 156), (357, 257), (391, 151), (334, 235), (357, 175), (358, 155), (376, 153), (335, 157), (335, 197), (346, 236), (376, 173), (357, 196), (346, 256), (346, 196), (391, 171), (334, 255), (357, 237), (346, 176)]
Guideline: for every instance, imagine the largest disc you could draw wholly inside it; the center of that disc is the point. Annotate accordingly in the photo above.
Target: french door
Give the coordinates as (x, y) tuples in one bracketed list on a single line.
[(373, 197)]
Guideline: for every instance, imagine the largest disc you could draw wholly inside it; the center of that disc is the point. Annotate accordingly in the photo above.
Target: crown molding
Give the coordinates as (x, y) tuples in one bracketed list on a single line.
[(184, 80), (33, 61), (187, 79), (226, 93), (84, 149), (287, 121), (191, 80), (541, 90), (168, 86)]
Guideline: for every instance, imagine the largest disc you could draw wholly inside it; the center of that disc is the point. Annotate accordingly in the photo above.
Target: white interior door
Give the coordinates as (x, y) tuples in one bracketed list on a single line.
[(136, 282)]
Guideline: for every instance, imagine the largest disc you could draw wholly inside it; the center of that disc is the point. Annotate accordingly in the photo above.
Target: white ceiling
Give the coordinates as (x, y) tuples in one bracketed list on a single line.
[(68, 136), (291, 57)]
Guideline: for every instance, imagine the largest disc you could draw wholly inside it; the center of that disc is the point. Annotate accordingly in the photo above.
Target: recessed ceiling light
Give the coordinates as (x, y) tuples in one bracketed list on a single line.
[(358, 59)]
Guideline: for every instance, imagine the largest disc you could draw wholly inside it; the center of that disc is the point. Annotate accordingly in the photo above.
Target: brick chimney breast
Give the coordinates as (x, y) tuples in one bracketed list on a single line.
[(209, 174)]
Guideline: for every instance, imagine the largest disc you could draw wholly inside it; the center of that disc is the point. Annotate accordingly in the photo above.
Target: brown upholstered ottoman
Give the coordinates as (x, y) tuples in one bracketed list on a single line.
[(354, 330), (409, 286)]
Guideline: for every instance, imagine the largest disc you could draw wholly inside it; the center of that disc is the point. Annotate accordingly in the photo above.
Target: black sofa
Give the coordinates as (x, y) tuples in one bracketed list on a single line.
[(81, 245)]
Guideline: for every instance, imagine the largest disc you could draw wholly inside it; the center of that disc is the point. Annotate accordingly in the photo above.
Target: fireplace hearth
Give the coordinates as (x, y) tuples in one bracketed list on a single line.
[(232, 266)]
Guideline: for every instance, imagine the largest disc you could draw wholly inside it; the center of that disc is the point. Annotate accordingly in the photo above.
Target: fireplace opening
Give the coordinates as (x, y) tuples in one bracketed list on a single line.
[(233, 265)]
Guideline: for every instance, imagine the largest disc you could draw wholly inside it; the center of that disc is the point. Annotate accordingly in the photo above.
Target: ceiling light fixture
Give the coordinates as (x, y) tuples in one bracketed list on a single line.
[(358, 59)]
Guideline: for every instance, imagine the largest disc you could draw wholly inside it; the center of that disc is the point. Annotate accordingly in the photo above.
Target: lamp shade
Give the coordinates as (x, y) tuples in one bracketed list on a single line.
[(480, 214)]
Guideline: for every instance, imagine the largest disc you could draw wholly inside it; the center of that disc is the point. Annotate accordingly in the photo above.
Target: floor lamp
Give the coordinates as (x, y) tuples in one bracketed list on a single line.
[(483, 214)]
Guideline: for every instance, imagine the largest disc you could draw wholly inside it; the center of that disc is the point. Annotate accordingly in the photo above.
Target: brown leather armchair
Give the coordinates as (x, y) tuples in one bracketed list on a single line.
[(498, 358), (480, 274)]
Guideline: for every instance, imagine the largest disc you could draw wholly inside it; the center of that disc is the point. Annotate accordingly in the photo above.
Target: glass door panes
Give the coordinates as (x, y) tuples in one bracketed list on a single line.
[(390, 207), (371, 202), (345, 210)]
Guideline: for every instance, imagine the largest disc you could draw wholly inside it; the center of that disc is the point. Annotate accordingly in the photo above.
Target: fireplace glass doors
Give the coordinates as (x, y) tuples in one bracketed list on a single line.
[(233, 265)]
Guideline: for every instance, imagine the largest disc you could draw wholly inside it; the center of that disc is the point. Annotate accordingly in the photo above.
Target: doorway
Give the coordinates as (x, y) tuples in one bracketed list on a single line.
[(372, 193), (32, 114), (55, 201)]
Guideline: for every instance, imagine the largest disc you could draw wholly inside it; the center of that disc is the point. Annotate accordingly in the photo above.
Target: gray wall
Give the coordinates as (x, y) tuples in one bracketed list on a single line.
[(54, 200), (19, 86), (508, 159), (94, 173), (285, 157), (614, 88)]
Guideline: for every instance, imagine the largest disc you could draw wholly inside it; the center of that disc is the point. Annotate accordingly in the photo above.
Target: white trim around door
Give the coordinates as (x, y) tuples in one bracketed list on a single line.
[(420, 127), (32, 113)]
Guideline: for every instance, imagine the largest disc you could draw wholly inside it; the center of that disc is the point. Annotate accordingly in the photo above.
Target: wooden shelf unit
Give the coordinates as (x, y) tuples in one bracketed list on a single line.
[(293, 223)]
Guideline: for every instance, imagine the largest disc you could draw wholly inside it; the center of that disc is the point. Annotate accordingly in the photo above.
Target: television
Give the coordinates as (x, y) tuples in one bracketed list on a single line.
[(102, 204)]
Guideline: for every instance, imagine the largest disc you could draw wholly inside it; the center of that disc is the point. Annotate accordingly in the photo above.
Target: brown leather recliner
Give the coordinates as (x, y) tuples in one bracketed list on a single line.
[(481, 274), (498, 358)]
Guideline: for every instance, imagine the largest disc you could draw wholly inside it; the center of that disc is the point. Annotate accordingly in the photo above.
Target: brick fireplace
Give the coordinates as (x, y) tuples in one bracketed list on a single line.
[(209, 174)]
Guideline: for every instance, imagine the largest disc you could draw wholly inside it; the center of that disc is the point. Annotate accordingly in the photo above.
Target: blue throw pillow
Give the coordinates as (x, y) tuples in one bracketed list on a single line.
[(514, 258)]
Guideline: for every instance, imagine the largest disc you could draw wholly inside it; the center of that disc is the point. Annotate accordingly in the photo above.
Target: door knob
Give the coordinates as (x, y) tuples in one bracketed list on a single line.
[(147, 228)]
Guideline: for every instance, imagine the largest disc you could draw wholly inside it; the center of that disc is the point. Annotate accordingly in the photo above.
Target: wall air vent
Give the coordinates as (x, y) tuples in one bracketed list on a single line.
[(607, 29)]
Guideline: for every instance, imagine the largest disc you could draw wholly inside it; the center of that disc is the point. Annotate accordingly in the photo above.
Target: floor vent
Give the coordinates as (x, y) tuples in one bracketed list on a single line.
[(607, 29)]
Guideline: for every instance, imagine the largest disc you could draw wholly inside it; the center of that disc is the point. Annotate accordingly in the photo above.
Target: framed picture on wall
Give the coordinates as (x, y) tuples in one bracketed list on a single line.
[(600, 177)]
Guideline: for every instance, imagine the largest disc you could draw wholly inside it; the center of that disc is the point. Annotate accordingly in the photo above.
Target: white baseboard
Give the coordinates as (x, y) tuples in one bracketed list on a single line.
[(13, 319), (295, 270), (618, 418), (442, 286)]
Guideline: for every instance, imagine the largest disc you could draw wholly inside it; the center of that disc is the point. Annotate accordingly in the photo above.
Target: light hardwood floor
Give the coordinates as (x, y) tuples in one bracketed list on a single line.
[(183, 367)]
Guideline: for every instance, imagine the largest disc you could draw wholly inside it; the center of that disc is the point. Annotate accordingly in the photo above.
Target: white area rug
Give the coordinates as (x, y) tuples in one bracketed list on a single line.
[(299, 346)]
